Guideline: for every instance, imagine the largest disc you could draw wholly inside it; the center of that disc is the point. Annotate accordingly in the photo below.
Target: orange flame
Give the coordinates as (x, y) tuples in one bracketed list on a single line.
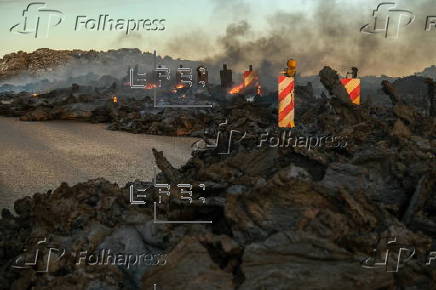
[(177, 87), (150, 86), (35, 95), (237, 89), (115, 99)]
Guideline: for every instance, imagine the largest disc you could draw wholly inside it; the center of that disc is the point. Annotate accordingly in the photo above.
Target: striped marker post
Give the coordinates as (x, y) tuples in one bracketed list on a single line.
[(286, 102), (352, 85), (249, 78)]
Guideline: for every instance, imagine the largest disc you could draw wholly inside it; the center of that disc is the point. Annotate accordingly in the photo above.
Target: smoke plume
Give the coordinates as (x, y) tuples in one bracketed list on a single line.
[(330, 35)]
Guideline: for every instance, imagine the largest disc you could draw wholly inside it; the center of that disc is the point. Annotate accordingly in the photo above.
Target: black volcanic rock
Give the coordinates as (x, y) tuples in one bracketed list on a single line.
[(284, 217)]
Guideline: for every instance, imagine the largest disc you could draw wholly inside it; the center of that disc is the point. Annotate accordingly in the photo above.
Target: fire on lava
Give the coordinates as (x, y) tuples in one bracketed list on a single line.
[(150, 86), (237, 89)]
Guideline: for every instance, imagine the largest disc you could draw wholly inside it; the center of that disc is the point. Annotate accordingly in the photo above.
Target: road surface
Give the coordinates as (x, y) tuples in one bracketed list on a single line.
[(38, 156)]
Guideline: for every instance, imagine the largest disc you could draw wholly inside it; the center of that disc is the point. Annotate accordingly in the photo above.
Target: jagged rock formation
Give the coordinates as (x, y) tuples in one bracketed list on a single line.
[(283, 217), (40, 60)]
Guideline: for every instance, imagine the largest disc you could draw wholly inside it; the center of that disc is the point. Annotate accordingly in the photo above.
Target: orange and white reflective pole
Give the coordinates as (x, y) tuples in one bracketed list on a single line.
[(249, 78), (286, 97), (352, 85)]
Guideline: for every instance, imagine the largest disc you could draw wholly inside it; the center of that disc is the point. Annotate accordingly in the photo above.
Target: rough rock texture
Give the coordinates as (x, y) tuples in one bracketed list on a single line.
[(75, 103), (41, 59), (194, 269), (298, 260), (47, 68), (133, 115), (283, 217)]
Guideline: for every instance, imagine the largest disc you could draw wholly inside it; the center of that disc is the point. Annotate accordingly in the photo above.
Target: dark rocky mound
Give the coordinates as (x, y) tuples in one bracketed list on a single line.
[(283, 217)]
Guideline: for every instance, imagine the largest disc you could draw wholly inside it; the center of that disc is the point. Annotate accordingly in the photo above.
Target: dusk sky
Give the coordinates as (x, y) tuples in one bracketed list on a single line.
[(199, 30), (209, 16)]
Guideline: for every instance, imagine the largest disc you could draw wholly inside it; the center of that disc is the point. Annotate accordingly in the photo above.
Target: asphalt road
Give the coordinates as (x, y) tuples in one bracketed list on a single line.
[(38, 156)]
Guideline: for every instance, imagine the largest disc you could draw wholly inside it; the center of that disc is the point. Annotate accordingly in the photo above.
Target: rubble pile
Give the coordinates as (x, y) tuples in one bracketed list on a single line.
[(136, 113), (42, 59), (414, 91), (193, 121), (130, 113), (283, 216), (75, 103), (46, 67)]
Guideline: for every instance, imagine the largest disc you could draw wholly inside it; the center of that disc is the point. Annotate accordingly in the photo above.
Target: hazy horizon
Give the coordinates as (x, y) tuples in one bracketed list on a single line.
[(264, 33)]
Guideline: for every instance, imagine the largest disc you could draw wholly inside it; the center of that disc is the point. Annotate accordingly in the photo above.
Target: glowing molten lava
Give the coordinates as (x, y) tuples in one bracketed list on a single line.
[(237, 89), (150, 86), (177, 87)]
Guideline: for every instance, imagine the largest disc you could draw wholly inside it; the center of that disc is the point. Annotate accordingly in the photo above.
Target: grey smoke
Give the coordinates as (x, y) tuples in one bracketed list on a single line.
[(326, 35), (330, 36)]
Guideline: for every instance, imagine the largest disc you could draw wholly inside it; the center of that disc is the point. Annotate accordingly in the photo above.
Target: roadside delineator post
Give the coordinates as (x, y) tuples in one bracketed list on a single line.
[(352, 85), (250, 82), (353, 89), (286, 96), (250, 78)]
